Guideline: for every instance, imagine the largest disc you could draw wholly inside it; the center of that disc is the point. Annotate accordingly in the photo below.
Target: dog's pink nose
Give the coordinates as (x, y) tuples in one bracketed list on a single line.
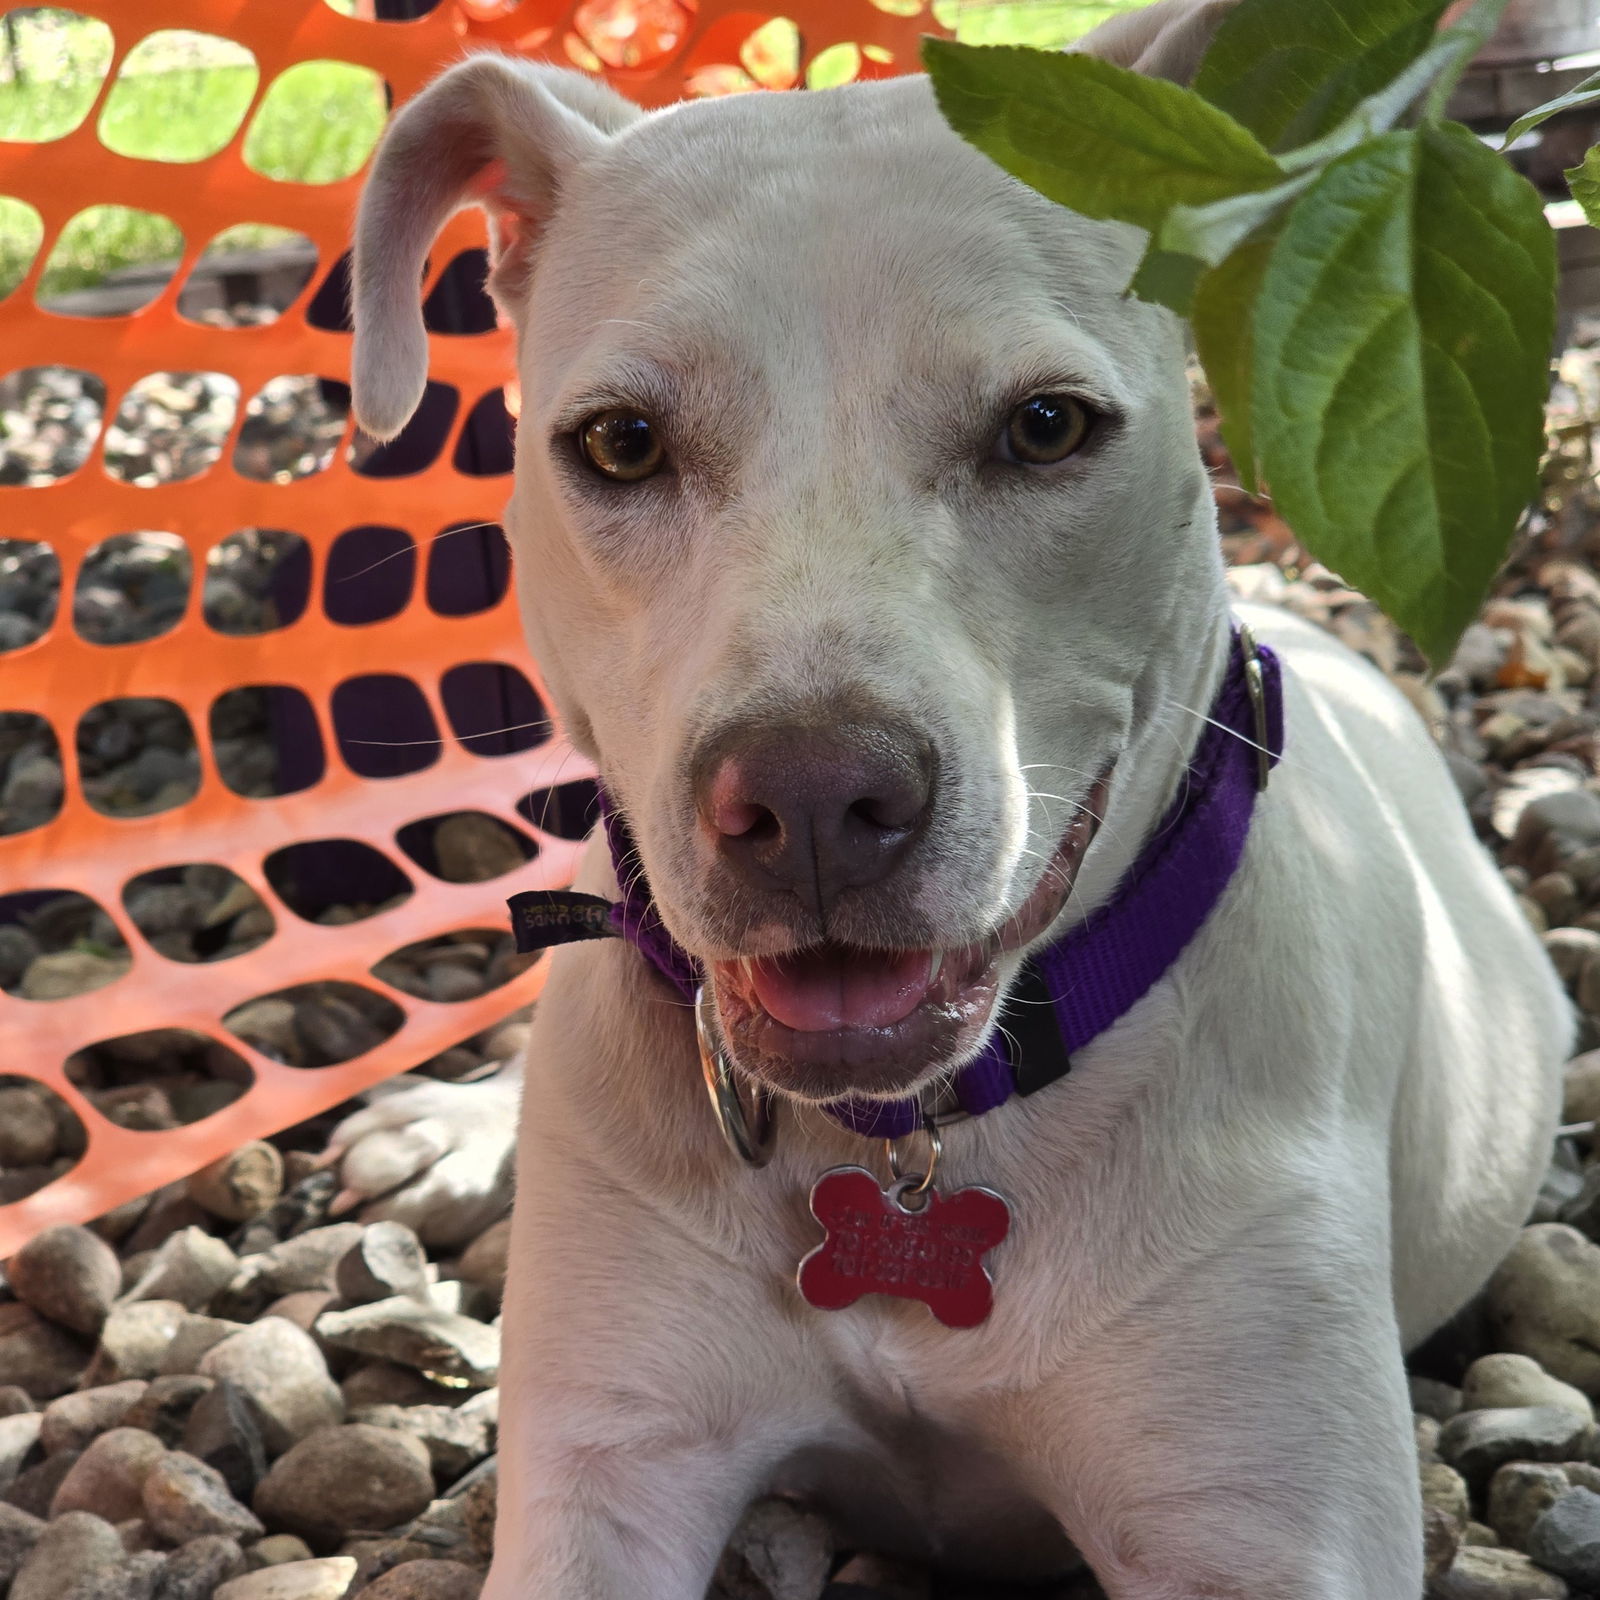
[(817, 811)]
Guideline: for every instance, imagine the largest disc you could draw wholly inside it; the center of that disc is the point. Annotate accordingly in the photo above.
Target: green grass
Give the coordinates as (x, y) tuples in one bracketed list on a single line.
[(317, 123), (177, 114), (103, 238), (20, 234), (180, 97), (1047, 24), (51, 69)]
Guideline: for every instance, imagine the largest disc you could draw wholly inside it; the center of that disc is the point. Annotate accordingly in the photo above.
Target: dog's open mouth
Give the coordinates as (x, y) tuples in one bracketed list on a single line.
[(832, 1019)]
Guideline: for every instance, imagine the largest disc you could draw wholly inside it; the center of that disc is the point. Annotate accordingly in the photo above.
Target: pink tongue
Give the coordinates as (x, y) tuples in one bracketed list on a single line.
[(816, 991)]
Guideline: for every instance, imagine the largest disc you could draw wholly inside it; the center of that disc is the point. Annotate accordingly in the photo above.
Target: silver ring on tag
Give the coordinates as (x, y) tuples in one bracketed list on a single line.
[(750, 1134), (909, 1194), (919, 1182)]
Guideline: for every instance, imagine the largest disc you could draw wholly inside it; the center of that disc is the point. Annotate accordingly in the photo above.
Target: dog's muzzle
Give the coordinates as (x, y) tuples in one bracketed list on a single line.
[(834, 1019)]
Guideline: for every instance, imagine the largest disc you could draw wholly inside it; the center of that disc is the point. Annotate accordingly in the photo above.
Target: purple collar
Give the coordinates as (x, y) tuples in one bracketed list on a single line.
[(1091, 976)]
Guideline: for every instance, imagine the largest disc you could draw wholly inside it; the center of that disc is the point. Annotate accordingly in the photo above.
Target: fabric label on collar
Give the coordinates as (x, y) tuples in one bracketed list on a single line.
[(544, 917)]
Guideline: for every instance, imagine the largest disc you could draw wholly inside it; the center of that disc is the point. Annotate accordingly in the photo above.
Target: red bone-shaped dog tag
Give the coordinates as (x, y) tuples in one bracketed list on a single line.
[(877, 1244)]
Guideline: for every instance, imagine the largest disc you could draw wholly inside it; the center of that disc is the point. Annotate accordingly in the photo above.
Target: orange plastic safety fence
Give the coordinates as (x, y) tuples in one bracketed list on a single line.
[(654, 50)]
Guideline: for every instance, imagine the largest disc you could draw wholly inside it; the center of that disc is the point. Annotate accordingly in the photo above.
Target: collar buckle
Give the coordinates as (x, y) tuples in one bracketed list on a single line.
[(1256, 687)]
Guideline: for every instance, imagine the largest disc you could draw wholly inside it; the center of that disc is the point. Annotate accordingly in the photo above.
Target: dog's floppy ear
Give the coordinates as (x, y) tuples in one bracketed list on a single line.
[(1165, 40), (494, 132)]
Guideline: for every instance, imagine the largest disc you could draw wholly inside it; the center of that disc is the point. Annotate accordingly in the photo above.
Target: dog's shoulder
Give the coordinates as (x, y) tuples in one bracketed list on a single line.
[(1365, 853)]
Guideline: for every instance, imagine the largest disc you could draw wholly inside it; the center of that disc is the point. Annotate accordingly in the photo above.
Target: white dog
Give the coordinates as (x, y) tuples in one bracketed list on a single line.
[(863, 542)]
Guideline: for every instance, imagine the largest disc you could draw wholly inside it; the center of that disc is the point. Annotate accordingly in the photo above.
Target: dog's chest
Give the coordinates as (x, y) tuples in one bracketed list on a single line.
[(935, 1492), (908, 1459)]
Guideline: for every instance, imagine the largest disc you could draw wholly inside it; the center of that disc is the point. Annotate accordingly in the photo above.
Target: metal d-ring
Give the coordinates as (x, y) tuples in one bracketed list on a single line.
[(750, 1134), (911, 1181), (1257, 687)]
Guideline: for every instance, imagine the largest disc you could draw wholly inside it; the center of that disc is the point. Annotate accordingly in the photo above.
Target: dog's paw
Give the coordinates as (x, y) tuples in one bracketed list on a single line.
[(435, 1156)]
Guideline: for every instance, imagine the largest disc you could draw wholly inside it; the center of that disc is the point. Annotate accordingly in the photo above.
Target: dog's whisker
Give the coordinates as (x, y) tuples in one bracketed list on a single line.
[(1069, 880), (1285, 758), (1182, 752), (1077, 805), (1017, 1000), (550, 791), (1010, 1038), (1233, 733), (635, 878), (1054, 766), (410, 549), (461, 738), (1079, 809), (1051, 866)]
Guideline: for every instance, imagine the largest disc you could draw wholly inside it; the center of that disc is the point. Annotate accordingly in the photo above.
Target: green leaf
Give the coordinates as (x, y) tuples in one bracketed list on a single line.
[(1224, 336), (1585, 94), (1585, 184), (1193, 239), (1290, 73), (1402, 343), (1166, 278), (1092, 136), (1211, 233), (1378, 113)]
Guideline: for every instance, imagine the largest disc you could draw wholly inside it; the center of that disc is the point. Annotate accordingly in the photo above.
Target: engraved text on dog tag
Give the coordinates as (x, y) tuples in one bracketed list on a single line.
[(883, 1241)]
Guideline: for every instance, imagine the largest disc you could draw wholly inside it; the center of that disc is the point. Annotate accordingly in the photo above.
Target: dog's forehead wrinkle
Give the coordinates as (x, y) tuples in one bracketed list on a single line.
[(827, 195), (843, 286)]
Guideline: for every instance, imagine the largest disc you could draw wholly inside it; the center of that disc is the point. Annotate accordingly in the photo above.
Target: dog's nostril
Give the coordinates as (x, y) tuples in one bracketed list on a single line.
[(889, 813), (739, 819), (765, 828)]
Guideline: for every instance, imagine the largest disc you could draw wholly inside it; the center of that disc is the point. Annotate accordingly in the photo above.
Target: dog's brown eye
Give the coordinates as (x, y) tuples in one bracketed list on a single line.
[(1046, 429), (622, 445)]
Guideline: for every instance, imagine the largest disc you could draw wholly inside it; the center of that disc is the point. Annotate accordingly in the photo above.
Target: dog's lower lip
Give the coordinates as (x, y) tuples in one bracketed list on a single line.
[(832, 1019), (834, 989)]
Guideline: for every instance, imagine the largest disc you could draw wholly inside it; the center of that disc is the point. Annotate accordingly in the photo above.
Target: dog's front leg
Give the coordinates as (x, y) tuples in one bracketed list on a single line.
[(622, 1521), (1243, 1433), (649, 1387), (638, 1418)]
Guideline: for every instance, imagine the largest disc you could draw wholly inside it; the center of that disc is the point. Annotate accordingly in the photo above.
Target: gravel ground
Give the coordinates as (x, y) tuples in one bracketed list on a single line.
[(189, 1386)]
